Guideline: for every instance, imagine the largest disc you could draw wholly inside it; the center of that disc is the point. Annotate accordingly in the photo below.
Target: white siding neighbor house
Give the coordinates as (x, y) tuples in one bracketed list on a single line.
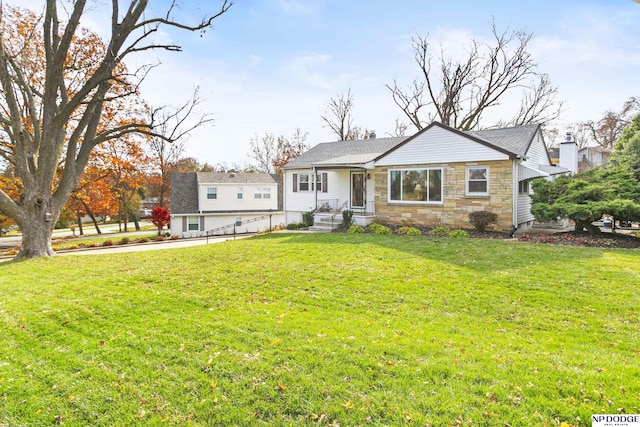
[(210, 203), (435, 177)]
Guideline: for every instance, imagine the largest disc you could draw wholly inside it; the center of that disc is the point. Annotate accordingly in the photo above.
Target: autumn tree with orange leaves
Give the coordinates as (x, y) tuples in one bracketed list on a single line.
[(54, 91)]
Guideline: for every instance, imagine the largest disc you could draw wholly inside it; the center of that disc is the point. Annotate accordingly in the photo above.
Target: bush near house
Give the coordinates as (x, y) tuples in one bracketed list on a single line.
[(356, 229), (458, 234), (481, 220), (347, 218), (307, 219), (409, 231), (440, 231)]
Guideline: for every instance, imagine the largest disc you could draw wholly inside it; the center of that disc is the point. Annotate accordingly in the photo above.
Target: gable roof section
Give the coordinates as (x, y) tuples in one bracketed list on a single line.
[(515, 139), (344, 153), (235, 178), (184, 192), (508, 142)]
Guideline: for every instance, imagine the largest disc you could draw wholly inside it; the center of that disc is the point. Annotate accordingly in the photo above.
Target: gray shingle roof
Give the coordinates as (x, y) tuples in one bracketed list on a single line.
[(344, 152), (184, 192), (513, 139), (235, 178), (184, 186)]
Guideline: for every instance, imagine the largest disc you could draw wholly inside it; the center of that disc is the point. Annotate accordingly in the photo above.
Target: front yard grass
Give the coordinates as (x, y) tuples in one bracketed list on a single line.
[(322, 329)]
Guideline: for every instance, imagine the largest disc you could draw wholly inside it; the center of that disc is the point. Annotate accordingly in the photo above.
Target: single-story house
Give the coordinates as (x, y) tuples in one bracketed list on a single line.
[(211, 203), (435, 177)]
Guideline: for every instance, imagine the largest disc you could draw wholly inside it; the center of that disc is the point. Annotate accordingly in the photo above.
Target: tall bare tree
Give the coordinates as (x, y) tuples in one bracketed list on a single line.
[(606, 131), (457, 92), (338, 118), (52, 118), (271, 153), (166, 150)]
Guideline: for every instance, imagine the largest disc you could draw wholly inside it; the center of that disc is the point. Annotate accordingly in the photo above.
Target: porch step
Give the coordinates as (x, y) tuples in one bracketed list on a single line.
[(323, 224)]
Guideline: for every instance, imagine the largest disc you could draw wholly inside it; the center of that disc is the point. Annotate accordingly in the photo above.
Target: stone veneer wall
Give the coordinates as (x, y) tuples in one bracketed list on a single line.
[(454, 212)]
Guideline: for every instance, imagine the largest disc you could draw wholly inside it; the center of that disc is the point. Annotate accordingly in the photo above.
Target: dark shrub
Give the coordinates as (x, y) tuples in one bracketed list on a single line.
[(347, 218), (482, 219), (292, 226), (307, 219)]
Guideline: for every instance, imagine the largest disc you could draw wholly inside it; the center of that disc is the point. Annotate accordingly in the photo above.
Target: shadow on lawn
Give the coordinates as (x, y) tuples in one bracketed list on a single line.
[(482, 255)]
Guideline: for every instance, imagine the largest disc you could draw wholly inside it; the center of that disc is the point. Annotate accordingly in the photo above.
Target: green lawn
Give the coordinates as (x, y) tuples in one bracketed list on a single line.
[(322, 329)]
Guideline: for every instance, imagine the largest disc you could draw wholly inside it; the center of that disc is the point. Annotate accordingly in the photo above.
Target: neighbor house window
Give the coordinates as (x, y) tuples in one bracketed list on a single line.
[(304, 182), (193, 223), (262, 193), (212, 193), (416, 185), (239, 194), (477, 181), (523, 187)]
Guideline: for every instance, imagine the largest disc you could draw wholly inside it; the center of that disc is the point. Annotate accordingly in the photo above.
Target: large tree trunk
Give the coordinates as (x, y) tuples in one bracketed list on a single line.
[(36, 236), (93, 218), (588, 226), (80, 230)]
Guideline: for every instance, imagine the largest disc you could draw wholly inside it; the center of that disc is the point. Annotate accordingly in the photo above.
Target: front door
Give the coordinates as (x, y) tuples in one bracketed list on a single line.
[(357, 190)]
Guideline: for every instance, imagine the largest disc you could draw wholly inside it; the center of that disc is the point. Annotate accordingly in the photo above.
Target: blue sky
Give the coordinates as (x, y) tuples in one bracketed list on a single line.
[(273, 65)]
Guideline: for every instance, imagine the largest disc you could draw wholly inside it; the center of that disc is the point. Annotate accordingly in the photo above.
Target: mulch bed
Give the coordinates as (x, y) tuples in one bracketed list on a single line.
[(582, 238), (606, 239)]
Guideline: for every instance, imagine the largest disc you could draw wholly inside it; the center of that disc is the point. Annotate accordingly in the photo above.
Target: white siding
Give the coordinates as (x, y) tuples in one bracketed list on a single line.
[(213, 221), (227, 197), (537, 153), (438, 145), (338, 188), (300, 201), (524, 209)]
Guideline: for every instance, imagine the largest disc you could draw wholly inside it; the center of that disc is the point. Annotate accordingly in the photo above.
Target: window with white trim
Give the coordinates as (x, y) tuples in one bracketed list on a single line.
[(193, 223), (262, 193), (319, 183), (416, 185), (212, 193), (477, 182), (303, 182), (239, 193), (523, 187)]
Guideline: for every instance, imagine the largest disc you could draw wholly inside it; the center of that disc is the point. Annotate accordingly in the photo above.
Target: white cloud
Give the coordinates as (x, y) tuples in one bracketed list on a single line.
[(297, 7), (308, 68)]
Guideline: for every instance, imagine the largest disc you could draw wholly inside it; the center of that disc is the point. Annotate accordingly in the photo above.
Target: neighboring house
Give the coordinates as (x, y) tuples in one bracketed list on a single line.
[(591, 157), (435, 177), (215, 203)]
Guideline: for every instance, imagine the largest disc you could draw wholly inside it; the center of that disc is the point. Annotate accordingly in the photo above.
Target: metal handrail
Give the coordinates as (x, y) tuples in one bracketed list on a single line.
[(340, 209), (213, 232)]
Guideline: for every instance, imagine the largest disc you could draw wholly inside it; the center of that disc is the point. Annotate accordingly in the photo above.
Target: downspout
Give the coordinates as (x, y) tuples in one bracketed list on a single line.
[(514, 190), (284, 193), (315, 186), (364, 178)]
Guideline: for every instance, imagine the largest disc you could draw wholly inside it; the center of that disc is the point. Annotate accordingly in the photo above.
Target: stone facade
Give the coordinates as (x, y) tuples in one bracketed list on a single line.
[(456, 206)]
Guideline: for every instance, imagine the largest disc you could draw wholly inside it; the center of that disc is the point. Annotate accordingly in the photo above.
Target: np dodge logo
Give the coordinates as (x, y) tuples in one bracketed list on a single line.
[(624, 420)]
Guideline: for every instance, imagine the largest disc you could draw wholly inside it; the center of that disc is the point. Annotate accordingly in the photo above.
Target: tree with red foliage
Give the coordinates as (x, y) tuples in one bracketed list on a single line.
[(160, 217)]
